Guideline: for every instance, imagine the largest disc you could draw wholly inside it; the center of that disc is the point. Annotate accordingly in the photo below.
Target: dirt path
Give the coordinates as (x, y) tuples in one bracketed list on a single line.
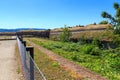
[(8, 64), (69, 65)]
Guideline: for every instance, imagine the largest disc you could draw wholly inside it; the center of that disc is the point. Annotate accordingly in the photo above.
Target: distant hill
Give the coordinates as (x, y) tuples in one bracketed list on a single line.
[(19, 29)]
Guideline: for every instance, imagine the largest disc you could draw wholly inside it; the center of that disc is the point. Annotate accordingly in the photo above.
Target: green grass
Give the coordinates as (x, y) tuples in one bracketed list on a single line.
[(51, 69), (104, 62)]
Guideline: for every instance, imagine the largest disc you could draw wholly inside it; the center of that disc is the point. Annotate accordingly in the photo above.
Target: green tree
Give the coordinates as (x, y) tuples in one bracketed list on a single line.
[(115, 20), (104, 22), (65, 34)]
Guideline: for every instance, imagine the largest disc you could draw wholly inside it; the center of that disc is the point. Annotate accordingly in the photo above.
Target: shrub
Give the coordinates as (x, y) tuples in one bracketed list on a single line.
[(115, 62), (65, 35), (54, 38), (77, 58), (95, 51), (117, 29), (82, 40), (87, 49), (96, 41), (116, 40), (66, 48), (92, 50)]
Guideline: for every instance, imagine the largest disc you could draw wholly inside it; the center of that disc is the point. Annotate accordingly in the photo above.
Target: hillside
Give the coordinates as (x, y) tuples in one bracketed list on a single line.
[(19, 29), (87, 27), (87, 32)]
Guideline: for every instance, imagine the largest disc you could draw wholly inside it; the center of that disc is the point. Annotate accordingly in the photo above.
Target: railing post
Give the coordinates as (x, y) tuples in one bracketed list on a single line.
[(31, 50), (24, 42)]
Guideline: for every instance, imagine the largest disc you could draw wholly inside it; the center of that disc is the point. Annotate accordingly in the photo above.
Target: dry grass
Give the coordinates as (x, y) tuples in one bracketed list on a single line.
[(99, 34), (88, 34), (88, 27), (5, 37), (19, 63)]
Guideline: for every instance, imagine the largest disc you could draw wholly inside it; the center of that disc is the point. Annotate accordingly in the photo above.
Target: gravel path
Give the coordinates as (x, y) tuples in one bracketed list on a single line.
[(8, 64), (69, 65)]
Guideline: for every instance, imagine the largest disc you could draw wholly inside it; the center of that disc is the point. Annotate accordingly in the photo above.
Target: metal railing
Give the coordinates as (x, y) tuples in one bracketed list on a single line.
[(30, 69)]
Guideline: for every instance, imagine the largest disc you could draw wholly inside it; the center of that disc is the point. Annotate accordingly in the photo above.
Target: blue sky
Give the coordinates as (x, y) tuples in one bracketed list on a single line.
[(52, 13)]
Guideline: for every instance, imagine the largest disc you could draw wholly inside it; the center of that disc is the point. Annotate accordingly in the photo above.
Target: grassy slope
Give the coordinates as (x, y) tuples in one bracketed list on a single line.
[(99, 34), (88, 34), (50, 68), (107, 63)]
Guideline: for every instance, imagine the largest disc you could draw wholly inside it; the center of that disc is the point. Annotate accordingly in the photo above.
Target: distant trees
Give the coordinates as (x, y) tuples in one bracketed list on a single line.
[(94, 23), (104, 22), (79, 26), (65, 34), (114, 20)]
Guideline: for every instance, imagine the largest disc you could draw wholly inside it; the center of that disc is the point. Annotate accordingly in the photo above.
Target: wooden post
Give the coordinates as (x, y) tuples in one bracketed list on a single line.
[(24, 42), (31, 50)]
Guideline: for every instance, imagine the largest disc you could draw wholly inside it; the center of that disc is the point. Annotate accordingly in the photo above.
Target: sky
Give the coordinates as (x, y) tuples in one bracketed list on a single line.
[(51, 14)]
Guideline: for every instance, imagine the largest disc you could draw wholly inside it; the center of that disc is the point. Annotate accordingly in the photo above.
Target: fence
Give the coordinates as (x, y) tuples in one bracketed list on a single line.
[(30, 69)]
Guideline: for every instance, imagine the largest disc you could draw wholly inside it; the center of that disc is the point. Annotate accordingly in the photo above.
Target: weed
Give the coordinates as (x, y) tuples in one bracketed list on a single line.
[(104, 62)]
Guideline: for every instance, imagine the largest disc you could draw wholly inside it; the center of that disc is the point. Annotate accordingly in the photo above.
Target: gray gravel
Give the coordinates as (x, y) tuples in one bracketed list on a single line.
[(8, 64)]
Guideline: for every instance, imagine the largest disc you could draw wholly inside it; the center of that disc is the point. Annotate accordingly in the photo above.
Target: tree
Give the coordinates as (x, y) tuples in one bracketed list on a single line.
[(107, 15), (94, 23), (65, 34), (116, 5), (104, 22), (115, 20)]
